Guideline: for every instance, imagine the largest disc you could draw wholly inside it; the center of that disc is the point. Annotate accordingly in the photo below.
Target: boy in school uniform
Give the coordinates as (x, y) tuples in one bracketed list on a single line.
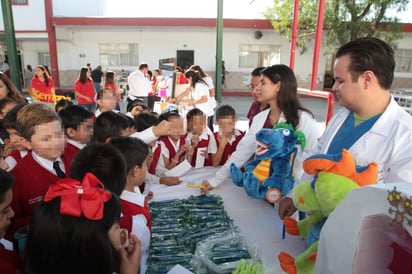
[(78, 128), (144, 121), (201, 139), (42, 131), (10, 261), (228, 136), (20, 150), (135, 211)]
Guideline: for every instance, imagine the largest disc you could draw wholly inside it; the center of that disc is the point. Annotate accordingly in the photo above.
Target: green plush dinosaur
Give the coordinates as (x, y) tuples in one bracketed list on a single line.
[(335, 177)]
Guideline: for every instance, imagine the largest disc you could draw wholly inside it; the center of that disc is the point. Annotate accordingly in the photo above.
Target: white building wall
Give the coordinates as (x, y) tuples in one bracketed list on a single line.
[(27, 17)]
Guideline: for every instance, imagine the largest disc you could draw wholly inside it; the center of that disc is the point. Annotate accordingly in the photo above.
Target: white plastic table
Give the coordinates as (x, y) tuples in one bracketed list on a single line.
[(255, 218)]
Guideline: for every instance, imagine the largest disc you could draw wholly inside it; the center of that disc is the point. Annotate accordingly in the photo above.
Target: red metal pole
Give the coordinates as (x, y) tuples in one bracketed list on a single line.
[(294, 34), (51, 33), (318, 41)]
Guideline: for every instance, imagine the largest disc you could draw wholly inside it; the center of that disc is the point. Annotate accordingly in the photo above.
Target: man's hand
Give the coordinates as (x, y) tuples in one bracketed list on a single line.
[(286, 207), (206, 187)]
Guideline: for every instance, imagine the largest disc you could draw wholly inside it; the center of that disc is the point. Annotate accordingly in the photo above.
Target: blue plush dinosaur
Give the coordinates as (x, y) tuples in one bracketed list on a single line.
[(269, 175)]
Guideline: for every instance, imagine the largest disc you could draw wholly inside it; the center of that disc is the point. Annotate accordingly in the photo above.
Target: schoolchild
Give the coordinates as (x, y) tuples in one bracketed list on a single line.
[(173, 146), (76, 230), (135, 211), (144, 121), (9, 259), (16, 141), (228, 136), (106, 101), (78, 127), (105, 162), (201, 139), (42, 131)]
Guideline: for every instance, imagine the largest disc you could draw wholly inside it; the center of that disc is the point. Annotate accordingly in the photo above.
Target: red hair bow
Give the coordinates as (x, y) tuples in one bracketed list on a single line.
[(87, 197)]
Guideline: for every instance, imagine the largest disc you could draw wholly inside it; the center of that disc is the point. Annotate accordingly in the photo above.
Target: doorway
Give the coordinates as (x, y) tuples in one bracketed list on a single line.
[(185, 58)]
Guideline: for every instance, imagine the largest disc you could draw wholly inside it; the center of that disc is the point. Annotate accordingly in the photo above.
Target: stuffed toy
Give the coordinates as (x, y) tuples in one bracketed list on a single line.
[(270, 174), (335, 176)]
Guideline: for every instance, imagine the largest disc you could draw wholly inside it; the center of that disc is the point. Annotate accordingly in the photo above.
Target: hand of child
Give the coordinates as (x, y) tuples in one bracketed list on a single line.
[(149, 158), (130, 256), (183, 149), (204, 153), (206, 187), (223, 140), (170, 181), (149, 196)]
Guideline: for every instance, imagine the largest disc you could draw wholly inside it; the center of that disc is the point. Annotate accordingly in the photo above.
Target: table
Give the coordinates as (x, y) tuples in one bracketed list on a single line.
[(255, 218)]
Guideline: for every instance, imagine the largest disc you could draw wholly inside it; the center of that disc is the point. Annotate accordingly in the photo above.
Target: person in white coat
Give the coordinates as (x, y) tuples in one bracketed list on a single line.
[(278, 87), (372, 126)]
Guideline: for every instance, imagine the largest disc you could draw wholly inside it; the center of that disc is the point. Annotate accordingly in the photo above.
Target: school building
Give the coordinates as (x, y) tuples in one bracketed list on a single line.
[(77, 32)]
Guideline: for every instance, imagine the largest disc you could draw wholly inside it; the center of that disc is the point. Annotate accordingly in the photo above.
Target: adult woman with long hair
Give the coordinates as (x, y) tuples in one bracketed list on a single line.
[(84, 90), (278, 88), (212, 100), (198, 91), (110, 83), (42, 87), (9, 90)]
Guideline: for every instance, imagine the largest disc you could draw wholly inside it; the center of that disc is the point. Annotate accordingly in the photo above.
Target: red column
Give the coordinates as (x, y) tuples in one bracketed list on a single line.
[(51, 33), (294, 34), (318, 41)]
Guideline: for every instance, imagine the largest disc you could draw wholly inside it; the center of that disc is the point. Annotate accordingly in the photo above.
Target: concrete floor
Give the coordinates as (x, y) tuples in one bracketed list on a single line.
[(242, 105)]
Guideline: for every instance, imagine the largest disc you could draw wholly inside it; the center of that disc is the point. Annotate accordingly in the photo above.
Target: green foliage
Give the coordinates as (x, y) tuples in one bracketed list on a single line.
[(344, 20), (248, 268)]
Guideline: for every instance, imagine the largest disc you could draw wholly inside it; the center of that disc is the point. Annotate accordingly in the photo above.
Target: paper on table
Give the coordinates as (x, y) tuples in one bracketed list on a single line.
[(179, 170), (200, 159), (178, 269)]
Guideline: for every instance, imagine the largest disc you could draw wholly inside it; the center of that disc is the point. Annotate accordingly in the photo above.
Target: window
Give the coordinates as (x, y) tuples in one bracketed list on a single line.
[(43, 58), (252, 56), (118, 54), (19, 2), (403, 58)]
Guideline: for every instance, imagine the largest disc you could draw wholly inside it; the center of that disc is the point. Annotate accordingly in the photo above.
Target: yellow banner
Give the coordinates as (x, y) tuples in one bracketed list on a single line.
[(43, 97)]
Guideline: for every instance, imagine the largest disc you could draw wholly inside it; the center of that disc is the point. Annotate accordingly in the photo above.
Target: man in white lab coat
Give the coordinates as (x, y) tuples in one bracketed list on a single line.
[(372, 126)]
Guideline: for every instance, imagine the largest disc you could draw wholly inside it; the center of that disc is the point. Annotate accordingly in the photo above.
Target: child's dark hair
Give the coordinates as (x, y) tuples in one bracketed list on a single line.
[(105, 162), (4, 135), (109, 125), (10, 119), (73, 116), (144, 120), (167, 115), (62, 103), (134, 150), (225, 111), (135, 103), (194, 112), (73, 244), (4, 102), (6, 180), (127, 122)]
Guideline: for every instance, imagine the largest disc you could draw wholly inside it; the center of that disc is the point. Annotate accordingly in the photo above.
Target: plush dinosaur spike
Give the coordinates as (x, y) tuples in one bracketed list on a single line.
[(342, 164), (335, 176)]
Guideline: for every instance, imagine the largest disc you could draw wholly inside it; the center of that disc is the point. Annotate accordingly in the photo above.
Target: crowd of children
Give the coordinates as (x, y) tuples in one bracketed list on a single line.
[(51, 158)]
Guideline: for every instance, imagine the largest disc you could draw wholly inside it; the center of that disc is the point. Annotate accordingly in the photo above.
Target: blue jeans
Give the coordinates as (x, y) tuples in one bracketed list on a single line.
[(97, 86), (89, 107)]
